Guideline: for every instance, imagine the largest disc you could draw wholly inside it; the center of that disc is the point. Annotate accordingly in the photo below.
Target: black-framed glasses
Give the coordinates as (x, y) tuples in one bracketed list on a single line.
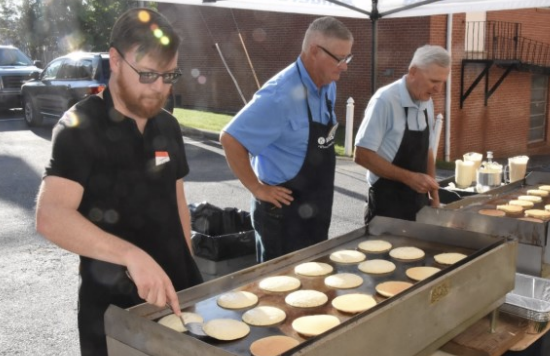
[(151, 77), (340, 61)]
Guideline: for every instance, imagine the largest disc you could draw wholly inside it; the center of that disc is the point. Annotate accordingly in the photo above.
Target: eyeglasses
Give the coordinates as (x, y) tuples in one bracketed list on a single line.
[(151, 77), (340, 61)]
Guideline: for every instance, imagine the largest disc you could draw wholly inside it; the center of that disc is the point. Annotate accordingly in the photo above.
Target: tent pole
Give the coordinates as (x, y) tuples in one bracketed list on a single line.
[(375, 15), (374, 64)]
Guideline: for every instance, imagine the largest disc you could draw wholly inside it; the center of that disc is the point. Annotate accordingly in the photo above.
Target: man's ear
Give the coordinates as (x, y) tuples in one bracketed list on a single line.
[(114, 59)]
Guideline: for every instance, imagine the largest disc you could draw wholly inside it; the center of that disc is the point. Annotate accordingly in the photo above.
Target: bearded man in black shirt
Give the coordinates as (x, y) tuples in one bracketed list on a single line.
[(113, 189)]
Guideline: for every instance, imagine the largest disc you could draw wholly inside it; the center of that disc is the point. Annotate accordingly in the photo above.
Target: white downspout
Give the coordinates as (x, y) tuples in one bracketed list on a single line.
[(448, 91)]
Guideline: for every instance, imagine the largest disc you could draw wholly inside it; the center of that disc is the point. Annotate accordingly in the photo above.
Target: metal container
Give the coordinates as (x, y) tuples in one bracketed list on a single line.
[(530, 300), (533, 253), (487, 180), (445, 303)]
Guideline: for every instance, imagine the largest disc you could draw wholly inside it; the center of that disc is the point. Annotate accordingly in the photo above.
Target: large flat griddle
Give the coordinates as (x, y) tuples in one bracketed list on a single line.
[(415, 322), (533, 254)]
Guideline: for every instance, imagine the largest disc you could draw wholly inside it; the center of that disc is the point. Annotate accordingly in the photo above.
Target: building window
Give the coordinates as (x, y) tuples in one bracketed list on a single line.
[(539, 102)]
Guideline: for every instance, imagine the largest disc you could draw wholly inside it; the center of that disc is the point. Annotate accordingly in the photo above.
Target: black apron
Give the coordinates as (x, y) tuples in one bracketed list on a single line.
[(395, 199), (306, 220)]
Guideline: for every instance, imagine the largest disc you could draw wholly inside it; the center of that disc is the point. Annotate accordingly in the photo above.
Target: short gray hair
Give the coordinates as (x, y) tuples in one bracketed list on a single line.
[(427, 55), (328, 27)]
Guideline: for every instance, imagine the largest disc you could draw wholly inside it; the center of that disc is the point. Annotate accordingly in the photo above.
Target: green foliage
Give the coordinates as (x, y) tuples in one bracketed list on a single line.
[(203, 120), (48, 28)]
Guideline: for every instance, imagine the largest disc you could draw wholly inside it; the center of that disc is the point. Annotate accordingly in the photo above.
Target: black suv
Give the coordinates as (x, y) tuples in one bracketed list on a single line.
[(15, 69), (63, 82)]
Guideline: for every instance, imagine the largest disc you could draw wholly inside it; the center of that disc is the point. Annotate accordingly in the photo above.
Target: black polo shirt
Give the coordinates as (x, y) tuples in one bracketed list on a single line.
[(129, 182)]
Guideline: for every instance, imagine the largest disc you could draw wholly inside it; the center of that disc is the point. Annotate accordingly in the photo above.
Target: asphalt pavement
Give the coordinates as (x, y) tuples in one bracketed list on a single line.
[(39, 281)]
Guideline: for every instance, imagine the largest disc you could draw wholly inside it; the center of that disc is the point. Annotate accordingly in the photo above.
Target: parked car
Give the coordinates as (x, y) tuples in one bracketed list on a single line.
[(15, 69), (64, 82)]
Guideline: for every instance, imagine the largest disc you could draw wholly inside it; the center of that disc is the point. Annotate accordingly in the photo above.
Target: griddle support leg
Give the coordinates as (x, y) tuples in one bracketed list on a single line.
[(494, 319)]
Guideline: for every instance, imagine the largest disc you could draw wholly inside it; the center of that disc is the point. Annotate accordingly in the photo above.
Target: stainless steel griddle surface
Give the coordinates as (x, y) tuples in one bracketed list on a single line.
[(209, 309)]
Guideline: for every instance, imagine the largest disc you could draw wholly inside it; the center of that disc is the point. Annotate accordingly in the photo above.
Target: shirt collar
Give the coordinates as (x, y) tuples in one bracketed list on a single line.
[(306, 79)]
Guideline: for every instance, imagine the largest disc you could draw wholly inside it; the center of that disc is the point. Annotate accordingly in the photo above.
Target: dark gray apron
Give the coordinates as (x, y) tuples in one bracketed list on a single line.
[(306, 220), (395, 199)]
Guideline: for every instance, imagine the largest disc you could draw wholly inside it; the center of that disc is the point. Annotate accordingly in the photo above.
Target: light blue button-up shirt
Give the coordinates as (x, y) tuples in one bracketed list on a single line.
[(274, 125), (383, 126)]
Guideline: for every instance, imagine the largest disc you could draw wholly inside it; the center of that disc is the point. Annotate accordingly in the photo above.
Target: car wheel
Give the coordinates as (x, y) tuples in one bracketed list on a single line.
[(32, 115)]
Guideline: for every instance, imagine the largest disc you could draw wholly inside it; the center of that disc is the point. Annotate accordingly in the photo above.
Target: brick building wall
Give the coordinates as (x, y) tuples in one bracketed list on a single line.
[(273, 41), (503, 125)]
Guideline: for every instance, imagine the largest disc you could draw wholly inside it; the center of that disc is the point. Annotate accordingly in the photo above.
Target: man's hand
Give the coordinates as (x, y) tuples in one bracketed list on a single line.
[(421, 183), (273, 194), (153, 284)]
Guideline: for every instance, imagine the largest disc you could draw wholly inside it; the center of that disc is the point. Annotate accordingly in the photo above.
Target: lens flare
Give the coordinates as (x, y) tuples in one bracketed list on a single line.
[(71, 119), (158, 33), (144, 16), (195, 72), (165, 40)]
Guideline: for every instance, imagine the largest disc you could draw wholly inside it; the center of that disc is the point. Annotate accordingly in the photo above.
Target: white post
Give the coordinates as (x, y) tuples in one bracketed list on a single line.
[(437, 130), (348, 142)]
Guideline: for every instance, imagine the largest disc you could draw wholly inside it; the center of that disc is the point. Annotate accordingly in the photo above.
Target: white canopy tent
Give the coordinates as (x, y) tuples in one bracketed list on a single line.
[(370, 8)]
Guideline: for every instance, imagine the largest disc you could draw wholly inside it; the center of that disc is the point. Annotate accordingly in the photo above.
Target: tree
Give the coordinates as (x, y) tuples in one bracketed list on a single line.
[(46, 29), (8, 22)]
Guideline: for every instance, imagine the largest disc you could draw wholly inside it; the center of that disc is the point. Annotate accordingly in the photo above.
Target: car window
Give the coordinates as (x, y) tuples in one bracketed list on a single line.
[(13, 57), (51, 70), (106, 68), (76, 69)]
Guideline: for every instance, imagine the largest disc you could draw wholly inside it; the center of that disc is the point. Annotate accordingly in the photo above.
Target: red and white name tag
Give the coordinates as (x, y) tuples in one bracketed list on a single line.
[(161, 157)]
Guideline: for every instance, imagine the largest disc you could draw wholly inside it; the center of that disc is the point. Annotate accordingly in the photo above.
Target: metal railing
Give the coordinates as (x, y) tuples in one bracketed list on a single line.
[(503, 42)]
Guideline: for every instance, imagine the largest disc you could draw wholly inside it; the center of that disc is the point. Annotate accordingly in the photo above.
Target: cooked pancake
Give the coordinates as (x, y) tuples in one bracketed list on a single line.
[(174, 322), (279, 284), (343, 281), (313, 269), (237, 300), (226, 329), (421, 273), (273, 345), (534, 198), (377, 266), (375, 246), (306, 298), (537, 214), (511, 210), (264, 316), (347, 256), (313, 325), (391, 288), (545, 187), (547, 207), (538, 192), (492, 212), (449, 258), (532, 220), (407, 253), (523, 203), (353, 303)]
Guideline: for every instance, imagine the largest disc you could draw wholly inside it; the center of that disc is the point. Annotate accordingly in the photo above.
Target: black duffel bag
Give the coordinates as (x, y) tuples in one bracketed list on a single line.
[(219, 234)]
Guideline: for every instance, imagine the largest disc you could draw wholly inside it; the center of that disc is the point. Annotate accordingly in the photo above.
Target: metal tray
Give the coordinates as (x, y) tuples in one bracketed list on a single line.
[(530, 298)]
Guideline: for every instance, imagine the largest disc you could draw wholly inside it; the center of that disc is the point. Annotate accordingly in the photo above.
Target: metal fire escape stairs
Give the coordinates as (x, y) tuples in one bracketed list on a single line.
[(500, 44)]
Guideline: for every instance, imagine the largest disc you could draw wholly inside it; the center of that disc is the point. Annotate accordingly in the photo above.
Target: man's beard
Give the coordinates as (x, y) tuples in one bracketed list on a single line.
[(134, 104)]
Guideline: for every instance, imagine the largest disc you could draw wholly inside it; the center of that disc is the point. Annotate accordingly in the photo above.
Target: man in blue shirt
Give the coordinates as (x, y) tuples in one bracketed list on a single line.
[(288, 129), (395, 141)]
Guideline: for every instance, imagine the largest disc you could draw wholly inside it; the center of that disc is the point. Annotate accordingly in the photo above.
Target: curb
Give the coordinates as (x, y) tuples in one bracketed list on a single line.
[(196, 133)]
